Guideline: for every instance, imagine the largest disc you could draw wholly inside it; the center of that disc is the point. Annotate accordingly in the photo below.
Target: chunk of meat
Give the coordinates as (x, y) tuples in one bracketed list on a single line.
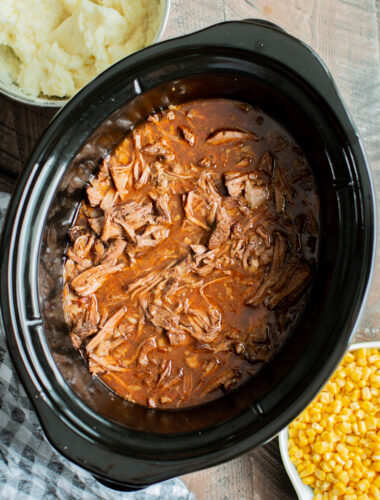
[(198, 249), (203, 325), (266, 163), (299, 279), (161, 317), (159, 148), (107, 330), (109, 199), (113, 252), (235, 184), (92, 279), (84, 263), (162, 205), (280, 250), (152, 236), (145, 349), (110, 230), (96, 224), (222, 230), (187, 134), (189, 207), (255, 195), (128, 217), (229, 135), (83, 244), (99, 185), (228, 378), (122, 178), (77, 231)]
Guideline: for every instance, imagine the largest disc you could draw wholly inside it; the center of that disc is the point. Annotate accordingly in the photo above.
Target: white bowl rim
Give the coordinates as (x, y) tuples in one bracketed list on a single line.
[(16, 94), (303, 491)]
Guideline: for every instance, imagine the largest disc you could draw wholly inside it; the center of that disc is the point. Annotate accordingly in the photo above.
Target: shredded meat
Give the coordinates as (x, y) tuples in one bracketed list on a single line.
[(223, 136), (190, 259), (222, 230)]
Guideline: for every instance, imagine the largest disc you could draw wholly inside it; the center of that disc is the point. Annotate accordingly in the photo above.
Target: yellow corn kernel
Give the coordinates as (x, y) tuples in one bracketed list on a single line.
[(292, 432), (343, 477), (318, 428), (375, 492), (364, 485), (364, 496), (337, 406), (330, 478), (340, 381), (343, 450), (353, 440), (361, 356), (320, 474), (326, 467), (345, 427), (360, 414), (299, 425), (376, 466), (350, 497), (318, 496), (333, 388), (367, 406), (325, 397), (375, 380), (349, 386), (355, 428), (340, 460), (355, 395), (356, 375), (339, 489), (369, 474), (308, 480), (366, 372), (310, 433), (303, 441), (366, 394), (321, 447), (362, 427)]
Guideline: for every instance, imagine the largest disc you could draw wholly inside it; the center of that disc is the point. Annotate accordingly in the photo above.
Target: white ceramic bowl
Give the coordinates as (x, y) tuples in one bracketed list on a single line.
[(303, 491), (14, 92)]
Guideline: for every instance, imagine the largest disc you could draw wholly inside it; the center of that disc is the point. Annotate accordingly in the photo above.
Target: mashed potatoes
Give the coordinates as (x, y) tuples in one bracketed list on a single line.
[(54, 47)]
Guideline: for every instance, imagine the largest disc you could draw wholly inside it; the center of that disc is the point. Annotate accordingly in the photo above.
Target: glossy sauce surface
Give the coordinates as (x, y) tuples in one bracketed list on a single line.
[(191, 257)]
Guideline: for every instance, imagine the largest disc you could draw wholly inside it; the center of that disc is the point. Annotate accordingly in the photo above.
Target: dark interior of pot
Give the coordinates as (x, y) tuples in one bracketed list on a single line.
[(304, 115)]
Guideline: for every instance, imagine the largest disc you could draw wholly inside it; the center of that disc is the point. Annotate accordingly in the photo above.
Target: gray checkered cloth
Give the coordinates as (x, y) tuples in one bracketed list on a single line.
[(30, 468)]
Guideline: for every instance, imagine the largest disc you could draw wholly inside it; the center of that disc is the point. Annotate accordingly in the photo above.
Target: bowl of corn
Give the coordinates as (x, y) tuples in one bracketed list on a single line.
[(332, 449)]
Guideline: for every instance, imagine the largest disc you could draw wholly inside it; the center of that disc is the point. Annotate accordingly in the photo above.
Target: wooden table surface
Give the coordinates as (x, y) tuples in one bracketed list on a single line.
[(345, 34)]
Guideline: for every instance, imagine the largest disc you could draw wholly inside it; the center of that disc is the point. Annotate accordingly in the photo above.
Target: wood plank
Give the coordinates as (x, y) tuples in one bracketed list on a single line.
[(20, 128), (257, 475), (7, 184)]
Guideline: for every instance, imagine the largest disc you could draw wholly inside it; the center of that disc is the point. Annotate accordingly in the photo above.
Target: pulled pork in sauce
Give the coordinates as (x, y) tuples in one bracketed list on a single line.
[(190, 258)]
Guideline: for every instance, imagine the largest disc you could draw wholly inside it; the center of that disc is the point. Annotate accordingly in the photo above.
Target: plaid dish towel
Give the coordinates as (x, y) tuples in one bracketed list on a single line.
[(30, 468)]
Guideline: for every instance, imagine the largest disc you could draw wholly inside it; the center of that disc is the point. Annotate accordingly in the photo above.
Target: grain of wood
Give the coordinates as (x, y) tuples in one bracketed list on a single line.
[(256, 475), (20, 128)]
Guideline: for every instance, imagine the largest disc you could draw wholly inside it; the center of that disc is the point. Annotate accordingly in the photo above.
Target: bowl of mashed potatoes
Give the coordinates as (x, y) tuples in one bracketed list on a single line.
[(50, 49)]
